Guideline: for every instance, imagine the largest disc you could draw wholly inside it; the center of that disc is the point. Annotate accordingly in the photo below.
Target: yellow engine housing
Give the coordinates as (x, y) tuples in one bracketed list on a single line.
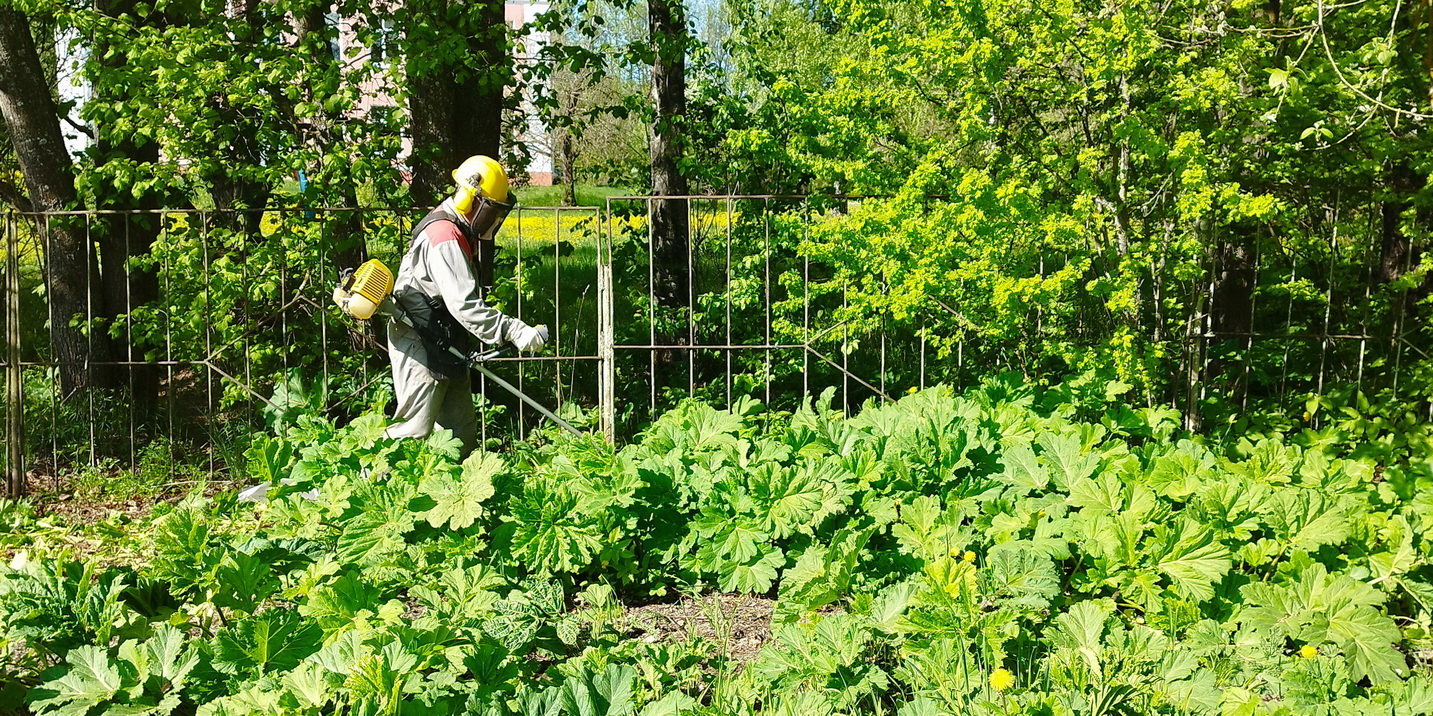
[(364, 291)]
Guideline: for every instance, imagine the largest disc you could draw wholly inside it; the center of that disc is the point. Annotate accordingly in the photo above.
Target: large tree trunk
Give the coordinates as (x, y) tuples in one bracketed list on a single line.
[(478, 102), (430, 105), (1232, 306), (33, 120), (128, 286), (124, 237), (1403, 183), (668, 221), (452, 120)]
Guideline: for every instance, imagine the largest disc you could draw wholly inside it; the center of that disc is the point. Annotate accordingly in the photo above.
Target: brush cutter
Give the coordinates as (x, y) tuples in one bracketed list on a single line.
[(367, 291)]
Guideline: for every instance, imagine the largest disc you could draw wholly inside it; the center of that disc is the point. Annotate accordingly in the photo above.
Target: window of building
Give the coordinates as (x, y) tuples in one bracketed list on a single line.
[(385, 42), (333, 21)]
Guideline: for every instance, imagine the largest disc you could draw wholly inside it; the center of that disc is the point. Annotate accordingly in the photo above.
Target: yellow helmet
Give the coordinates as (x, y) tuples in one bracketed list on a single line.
[(479, 176)]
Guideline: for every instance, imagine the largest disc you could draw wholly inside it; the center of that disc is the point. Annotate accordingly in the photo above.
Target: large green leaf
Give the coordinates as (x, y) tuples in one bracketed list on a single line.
[(1023, 470), (169, 657), (335, 605), (606, 693), (788, 499), (549, 533), (1191, 558), (1019, 574), (274, 641), (458, 501), (1319, 607), (378, 531), (1080, 629), (755, 575), (89, 679), (1068, 462), (243, 581)]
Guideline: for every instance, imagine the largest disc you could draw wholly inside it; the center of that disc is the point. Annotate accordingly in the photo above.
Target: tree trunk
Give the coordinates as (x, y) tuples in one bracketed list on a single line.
[(568, 151), (430, 106), (1403, 183), (33, 120), (452, 120), (478, 102), (668, 220), (233, 191), (1232, 307), (126, 286), (123, 237)]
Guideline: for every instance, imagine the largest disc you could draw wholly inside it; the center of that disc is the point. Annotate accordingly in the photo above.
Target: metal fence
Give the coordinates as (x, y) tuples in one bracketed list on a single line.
[(203, 328)]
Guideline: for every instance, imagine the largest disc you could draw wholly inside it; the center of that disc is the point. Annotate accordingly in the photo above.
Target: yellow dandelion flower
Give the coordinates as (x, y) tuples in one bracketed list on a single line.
[(1308, 652), (1001, 679), (968, 556)]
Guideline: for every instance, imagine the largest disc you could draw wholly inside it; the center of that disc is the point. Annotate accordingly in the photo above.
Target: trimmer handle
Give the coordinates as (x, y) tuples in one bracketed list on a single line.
[(483, 355)]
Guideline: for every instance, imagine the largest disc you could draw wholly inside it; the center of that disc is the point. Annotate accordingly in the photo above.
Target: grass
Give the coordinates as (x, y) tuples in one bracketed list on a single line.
[(587, 194)]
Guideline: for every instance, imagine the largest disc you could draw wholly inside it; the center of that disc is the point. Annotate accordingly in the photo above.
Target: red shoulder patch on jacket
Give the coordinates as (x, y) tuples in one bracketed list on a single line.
[(441, 232)]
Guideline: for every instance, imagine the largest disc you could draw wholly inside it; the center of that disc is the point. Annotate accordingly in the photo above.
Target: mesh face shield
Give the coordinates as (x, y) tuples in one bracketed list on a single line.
[(490, 215), (486, 221)]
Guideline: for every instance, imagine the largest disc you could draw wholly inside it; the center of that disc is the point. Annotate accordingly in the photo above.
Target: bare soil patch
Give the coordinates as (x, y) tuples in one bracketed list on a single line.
[(738, 623)]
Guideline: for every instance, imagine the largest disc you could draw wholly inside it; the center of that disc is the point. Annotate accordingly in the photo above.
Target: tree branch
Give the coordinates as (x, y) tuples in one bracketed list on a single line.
[(82, 129), (11, 194)]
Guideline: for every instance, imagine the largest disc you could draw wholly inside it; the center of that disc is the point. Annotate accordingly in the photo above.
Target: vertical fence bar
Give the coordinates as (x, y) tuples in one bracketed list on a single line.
[(885, 291), (325, 234), (89, 367), (691, 303), (208, 363), (924, 329), (806, 305), (1247, 342), (652, 306), (606, 337), (166, 301), (1370, 258), (131, 361), (1328, 307), (241, 252), (845, 349), (521, 367), (728, 350), (54, 380), (14, 372), (766, 281), (557, 300), (1288, 323)]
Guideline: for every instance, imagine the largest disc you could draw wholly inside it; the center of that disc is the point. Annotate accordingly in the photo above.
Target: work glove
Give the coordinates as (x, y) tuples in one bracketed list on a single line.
[(526, 338)]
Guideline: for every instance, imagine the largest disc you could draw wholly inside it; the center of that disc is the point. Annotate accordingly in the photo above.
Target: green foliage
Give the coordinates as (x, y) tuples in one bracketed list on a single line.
[(985, 553)]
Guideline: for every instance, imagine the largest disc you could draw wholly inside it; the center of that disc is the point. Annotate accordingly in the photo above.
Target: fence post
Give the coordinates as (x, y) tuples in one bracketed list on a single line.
[(14, 372), (606, 340)]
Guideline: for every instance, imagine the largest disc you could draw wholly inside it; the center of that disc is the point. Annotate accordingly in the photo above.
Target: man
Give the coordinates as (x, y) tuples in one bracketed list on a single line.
[(438, 287)]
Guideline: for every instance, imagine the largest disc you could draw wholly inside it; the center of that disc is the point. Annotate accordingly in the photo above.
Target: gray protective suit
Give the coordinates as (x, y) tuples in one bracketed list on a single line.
[(439, 265)]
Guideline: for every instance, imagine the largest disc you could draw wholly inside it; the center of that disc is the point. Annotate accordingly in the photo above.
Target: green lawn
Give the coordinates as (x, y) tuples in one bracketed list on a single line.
[(587, 194)]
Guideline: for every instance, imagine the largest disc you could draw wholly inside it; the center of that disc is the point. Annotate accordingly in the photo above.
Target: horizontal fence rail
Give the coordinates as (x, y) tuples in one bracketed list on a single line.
[(193, 330)]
